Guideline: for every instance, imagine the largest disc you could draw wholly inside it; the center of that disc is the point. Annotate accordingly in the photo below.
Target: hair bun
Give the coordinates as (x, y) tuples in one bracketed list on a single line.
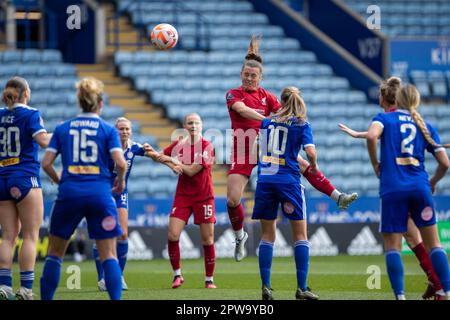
[(394, 82)]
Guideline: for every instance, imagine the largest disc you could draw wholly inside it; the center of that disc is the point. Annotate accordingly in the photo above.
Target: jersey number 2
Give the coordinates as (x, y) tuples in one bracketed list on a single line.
[(412, 135)]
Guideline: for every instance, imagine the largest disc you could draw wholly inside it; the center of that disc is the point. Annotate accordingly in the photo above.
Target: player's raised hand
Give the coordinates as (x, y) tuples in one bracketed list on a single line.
[(351, 132), (147, 147), (119, 186)]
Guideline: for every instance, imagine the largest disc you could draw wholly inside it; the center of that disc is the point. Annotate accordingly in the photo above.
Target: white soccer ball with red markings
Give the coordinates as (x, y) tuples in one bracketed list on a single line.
[(164, 36)]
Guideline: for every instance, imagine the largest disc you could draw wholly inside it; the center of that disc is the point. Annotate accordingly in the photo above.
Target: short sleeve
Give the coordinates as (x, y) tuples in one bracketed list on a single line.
[(274, 103), (233, 96), (168, 150), (114, 141), (36, 124), (379, 119), (55, 142), (139, 151), (307, 136), (430, 148)]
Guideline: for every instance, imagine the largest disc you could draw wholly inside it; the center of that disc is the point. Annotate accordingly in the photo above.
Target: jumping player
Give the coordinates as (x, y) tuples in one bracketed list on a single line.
[(388, 91), (281, 138), (21, 201), (405, 189), (194, 194), (130, 149), (86, 144), (248, 105)]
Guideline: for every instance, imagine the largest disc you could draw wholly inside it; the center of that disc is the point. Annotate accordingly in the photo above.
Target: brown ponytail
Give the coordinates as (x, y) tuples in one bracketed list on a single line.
[(253, 58), (408, 98), (14, 91), (388, 89)]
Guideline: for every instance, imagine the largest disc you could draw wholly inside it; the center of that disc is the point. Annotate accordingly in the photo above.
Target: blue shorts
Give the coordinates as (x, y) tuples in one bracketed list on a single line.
[(398, 206), (121, 200), (100, 213), (17, 188), (268, 197)]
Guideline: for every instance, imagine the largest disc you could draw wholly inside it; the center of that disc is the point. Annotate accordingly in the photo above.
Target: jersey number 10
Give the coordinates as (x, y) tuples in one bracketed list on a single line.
[(81, 146)]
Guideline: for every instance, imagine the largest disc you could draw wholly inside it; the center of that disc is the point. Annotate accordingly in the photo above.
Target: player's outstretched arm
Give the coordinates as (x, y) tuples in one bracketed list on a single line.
[(246, 112), (47, 166), (441, 170), (351, 132), (161, 158), (192, 169), (312, 157), (375, 131)]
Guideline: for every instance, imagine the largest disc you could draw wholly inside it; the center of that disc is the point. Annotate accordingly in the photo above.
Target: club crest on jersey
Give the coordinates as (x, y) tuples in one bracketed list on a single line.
[(130, 154), (230, 96), (263, 101)]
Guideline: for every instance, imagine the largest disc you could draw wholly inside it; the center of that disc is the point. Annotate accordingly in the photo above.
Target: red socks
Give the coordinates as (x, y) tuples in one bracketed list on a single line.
[(319, 181), (427, 266), (209, 253), (236, 217), (174, 254)]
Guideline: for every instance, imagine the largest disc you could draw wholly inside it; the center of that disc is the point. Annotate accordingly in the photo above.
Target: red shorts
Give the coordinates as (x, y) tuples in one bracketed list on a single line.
[(204, 212), (244, 169)]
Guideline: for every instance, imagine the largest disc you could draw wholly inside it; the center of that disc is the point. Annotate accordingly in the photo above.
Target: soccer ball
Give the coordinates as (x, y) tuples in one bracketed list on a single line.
[(164, 36)]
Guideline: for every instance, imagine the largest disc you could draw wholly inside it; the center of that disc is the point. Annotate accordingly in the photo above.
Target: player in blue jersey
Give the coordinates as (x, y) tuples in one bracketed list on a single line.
[(21, 202), (281, 138), (86, 143), (130, 149), (388, 91), (405, 188)]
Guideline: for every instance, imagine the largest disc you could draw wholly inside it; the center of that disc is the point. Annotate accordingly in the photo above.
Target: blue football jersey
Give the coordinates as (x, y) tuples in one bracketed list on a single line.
[(133, 149), (85, 144), (279, 145), (402, 153), (18, 149)]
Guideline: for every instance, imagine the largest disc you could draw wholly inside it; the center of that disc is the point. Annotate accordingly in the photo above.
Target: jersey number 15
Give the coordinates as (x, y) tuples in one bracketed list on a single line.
[(81, 146)]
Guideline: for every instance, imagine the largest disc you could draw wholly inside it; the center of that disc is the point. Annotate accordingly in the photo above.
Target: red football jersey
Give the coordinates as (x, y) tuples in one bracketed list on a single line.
[(200, 186), (263, 102)]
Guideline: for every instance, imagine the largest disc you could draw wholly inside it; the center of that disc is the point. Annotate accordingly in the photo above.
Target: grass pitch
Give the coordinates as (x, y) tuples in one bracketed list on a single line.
[(333, 278)]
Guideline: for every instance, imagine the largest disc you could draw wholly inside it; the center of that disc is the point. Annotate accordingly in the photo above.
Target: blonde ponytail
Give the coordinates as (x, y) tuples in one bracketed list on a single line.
[(89, 94), (408, 98), (293, 105)]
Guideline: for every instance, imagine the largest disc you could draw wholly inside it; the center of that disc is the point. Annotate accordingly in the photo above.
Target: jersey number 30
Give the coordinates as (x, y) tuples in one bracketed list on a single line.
[(82, 146), (273, 146), (9, 142)]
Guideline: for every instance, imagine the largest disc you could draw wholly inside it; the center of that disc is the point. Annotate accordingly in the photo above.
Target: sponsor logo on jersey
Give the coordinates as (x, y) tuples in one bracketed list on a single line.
[(365, 243), (320, 244), (280, 248), (9, 162), (137, 249), (187, 248)]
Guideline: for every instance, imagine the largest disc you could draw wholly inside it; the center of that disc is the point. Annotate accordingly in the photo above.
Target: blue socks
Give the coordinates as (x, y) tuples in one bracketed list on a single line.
[(394, 267), (98, 264), (27, 279), (6, 277), (439, 260), (265, 261), (50, 277), (122, 252), (301, 249), (113, 278)]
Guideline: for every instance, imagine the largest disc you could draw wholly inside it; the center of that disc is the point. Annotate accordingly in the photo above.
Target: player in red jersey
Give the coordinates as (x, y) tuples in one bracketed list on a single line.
[(194, 194), (248, 105), (388, 90)]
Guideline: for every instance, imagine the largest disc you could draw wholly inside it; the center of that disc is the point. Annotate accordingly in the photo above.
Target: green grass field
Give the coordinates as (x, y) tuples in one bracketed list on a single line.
[(333, 278)]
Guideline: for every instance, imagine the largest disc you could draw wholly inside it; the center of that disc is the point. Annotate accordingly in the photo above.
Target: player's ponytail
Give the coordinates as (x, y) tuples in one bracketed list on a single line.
[(408, 98), (14, 91), (293, 105), (388, 89), (253, 59), (89, 94)]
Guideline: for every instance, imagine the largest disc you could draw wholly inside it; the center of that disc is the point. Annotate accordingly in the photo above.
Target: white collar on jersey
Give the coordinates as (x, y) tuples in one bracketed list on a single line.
[(89, 115), (403, 111), (21, 105)]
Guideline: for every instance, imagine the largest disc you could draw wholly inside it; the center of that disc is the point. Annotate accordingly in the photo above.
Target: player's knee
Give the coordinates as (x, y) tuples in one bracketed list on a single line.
[(233, 202), (208, 242), (172, 236)]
